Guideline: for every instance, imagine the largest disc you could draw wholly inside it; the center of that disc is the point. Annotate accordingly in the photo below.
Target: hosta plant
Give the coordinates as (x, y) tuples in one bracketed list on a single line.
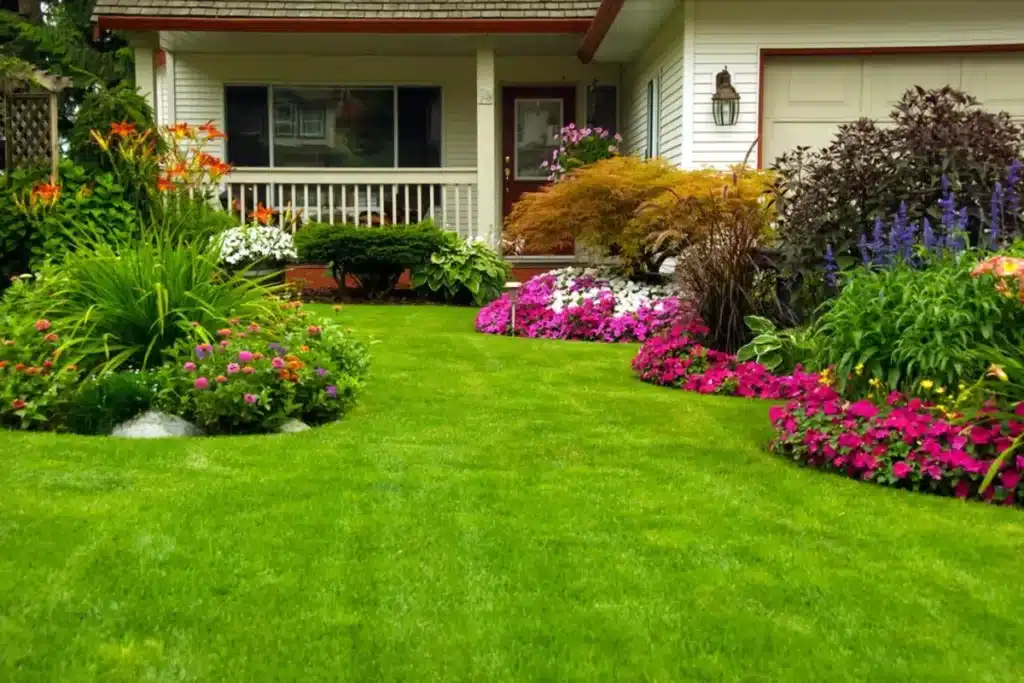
[(462, 272), (778, 350)]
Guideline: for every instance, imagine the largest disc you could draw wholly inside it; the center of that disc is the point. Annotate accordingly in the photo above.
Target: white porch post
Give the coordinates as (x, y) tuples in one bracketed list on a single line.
[(145, 73), (488, 202)]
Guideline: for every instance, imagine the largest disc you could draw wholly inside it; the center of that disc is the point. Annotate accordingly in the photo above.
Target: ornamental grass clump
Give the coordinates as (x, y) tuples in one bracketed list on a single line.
[(903, 442), (585, 304)]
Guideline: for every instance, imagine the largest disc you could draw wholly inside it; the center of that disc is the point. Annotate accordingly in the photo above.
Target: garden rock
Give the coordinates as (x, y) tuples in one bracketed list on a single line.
[(155, 425), (294, 426)]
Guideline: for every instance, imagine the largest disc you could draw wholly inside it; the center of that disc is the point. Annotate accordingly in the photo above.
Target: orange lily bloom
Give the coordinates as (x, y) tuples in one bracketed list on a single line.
[(211, 131), (219, 169), (46, 192), (177, 170), (165, 185), (122, 129), (180, 130), (262, 215)]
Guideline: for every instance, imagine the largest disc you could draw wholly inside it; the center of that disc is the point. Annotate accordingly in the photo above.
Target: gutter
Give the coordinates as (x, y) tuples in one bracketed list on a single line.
[(116, 22)]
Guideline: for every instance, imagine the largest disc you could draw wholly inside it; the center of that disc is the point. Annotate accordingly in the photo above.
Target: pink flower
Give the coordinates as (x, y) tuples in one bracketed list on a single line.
[(962, 489), (190, 366), (863, 409), (253, 327), (1010, 479), (245, 357), (314, 330), (251, 398), (201, 383), (900, 470), (233, 368), (278, 362)]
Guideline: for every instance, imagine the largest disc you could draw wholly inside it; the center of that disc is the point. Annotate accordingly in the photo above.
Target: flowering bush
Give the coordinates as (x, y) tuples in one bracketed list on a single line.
[(578, 147), (255, 378), (903, 442), (678, 359), (37, 376), (584, 304), (250, 244)]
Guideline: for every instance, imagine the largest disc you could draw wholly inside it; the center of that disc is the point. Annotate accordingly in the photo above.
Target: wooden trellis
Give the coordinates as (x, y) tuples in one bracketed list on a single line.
[(28, 121)]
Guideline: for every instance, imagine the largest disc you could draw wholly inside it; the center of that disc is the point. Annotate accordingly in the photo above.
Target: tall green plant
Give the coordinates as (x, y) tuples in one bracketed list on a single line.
[(134, 301), (902, 326)]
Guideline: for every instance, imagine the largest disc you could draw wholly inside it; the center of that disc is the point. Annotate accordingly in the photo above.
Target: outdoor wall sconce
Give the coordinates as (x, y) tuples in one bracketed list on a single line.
[(725, 103)]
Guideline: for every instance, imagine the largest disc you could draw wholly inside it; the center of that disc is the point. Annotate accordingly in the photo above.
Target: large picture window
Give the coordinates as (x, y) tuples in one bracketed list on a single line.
[(333, 127)]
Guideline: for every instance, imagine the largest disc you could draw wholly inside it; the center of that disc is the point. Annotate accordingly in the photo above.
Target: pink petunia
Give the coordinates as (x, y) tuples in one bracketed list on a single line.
[(863, 409), (1010, 479), (900, 470)]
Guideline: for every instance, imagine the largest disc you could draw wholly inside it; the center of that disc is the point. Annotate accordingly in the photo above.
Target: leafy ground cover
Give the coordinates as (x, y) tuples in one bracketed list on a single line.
[(494, 509)]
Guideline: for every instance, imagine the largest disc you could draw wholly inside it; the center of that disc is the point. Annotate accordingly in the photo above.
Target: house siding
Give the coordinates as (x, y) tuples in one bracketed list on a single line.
[(664, 58), (733, 32)]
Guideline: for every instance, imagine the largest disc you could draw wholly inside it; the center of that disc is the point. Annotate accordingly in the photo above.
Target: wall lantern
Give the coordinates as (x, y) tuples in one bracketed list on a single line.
[(725, 103)]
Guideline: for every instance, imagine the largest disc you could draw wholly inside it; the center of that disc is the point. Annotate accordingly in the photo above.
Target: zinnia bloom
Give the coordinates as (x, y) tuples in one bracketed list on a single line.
[(314, 330), (201, 383), (18, 404), (321, 372), (221, 378), (233, 368), (332, 391), (253, 327), (278, 362), (245, 356), (225, 332), (42, 325), (190, 366), (51, 337), (251, 398)]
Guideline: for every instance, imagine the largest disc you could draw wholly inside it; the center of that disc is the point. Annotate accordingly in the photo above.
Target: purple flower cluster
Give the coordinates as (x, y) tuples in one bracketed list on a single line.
[(580, 146), (544, 310), (904, 443), (678, 359)]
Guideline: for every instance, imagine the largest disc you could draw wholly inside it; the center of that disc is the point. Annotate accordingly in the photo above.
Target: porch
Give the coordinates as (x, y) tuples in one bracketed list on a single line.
[(379, 129)]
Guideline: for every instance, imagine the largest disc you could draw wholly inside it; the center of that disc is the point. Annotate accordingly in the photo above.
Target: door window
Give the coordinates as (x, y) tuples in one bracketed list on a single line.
[(538, 124)]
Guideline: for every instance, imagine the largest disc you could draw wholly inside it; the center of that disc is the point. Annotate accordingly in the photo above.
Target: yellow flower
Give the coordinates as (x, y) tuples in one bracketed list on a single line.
[(940, 390), (875, 382), (997, 372), (859, 369), (927, 384)]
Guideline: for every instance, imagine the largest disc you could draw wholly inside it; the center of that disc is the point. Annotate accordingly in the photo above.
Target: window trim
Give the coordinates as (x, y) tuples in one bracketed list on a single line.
[(652, 150), (394, 87)]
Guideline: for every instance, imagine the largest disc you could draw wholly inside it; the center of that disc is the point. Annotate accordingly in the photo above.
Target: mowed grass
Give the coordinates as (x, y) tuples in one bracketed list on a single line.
[(494, 510)]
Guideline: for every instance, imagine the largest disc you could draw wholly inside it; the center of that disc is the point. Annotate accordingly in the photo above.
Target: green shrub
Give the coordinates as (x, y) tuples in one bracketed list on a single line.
[(832, 196), (103, 106), (375, 257), (105, 401), (462, 272), (257, 377), (900, 326), (34, 228), (134, 301)]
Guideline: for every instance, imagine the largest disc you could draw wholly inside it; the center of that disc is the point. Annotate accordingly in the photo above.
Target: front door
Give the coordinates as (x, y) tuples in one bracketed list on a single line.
[(532, 118)]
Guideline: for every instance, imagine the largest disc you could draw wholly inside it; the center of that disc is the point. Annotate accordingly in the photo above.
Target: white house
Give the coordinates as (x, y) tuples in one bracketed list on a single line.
[(380, 110)]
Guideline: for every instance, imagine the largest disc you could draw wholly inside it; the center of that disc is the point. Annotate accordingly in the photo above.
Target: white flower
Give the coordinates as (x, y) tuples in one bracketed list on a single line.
[(252, 243)]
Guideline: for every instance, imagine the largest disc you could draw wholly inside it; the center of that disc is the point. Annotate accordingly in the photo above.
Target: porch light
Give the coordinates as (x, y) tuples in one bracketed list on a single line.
[(725, 103)]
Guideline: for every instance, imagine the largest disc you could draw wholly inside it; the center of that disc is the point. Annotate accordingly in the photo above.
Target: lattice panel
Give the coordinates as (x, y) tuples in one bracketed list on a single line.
[(28, 129)]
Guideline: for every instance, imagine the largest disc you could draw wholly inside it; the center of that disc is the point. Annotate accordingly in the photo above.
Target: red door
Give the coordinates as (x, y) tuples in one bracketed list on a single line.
[(531, 119)]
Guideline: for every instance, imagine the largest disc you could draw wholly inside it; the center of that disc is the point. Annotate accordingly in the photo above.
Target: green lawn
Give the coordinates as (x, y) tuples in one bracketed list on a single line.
[(494, 510)]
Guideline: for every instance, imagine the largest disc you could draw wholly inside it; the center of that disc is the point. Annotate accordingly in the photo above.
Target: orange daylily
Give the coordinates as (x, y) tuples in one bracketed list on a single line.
[(46, 191), (207, 160), (181, 130), (211, 131), (165, 185), (219, 169), (178, 170), (122, 129), (262, 215)]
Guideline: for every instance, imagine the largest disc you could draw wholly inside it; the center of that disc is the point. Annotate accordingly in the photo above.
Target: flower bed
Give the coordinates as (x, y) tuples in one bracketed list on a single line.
[(677, 359), (903, 443), (585, 304)]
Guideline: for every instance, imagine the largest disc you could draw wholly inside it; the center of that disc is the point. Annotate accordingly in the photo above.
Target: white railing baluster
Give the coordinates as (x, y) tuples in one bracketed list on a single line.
[(458, 210), (330, 207), (280, 206), (319, 205), (305, 203), (419, 203), (242, 204), (380, 206), (231, 204), (394, 205)]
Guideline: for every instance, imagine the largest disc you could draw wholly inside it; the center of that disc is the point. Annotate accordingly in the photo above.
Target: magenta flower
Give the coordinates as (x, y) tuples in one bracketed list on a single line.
[(245, 356), (863, 409), (900, 470), (1010, 479), (190, 366), (201, 383), (251, 398), (234, 368), (203, 351), (321, 372), (332, 391), (278, 362)]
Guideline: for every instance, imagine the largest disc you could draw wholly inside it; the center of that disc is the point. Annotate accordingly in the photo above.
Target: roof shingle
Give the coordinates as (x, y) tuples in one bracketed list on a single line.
[(352, 9)]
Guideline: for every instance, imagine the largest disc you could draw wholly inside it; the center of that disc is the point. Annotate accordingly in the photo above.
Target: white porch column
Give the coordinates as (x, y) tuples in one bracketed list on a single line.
[(488, 199), (145, 73)]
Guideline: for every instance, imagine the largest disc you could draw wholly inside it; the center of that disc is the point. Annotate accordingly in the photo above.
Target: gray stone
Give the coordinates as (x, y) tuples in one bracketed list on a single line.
[(155, 425), (294, 426)]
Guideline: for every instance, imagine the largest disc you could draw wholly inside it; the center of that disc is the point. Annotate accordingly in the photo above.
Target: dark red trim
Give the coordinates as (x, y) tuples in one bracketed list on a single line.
[(284, 25), (161, 58), (598, 29), (859, 52)]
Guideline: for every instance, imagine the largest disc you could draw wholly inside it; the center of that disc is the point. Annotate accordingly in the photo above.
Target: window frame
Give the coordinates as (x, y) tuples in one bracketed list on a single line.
[(618, 103), (394, 87), (652, 148)]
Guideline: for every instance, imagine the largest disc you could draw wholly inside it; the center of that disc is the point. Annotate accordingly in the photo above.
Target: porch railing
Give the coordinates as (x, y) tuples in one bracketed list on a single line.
[(447, 196)]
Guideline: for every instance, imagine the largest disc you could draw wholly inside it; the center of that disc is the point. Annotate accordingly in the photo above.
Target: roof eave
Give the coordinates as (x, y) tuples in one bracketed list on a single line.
[(111, 22), (598, 29)]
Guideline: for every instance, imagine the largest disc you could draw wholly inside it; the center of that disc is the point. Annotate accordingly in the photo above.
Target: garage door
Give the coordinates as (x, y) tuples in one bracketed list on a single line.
[(805, 98)]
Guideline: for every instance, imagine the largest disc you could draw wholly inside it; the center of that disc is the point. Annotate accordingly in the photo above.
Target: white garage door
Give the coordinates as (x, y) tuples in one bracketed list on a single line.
[(805, 98)]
